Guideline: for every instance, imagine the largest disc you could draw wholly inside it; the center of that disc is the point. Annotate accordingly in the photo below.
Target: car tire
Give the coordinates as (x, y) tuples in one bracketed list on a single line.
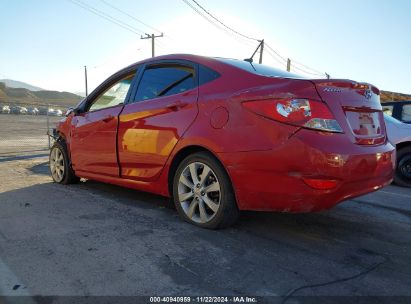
[(402, 176), (211, 203), (60, 165)]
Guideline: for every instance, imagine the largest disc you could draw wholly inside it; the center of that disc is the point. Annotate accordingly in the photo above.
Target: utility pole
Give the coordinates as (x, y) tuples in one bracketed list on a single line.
[(85, 78), (261, 51), (288, 64), (152, 37)]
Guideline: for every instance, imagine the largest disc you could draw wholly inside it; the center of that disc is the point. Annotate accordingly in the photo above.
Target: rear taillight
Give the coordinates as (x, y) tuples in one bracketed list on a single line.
[(305, 113)]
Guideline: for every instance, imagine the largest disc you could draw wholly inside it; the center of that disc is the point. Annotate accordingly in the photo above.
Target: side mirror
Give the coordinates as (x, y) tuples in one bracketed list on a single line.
[(72, 110)]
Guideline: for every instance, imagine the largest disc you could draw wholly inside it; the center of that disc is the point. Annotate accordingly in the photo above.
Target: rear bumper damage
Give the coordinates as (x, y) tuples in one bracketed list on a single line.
[(274, 180)]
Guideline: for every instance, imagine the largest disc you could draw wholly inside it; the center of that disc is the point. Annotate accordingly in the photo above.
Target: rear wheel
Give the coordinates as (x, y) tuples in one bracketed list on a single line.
[(402, 175), (60, 167), (203, 194)]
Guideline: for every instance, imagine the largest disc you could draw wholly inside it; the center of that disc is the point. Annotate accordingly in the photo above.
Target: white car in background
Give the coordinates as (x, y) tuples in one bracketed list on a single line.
[(5, 109), (399, 134)]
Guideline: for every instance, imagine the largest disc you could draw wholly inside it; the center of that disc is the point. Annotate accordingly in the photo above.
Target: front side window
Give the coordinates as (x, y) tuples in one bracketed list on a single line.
[(114, 96), (406, 113), (165, 80)]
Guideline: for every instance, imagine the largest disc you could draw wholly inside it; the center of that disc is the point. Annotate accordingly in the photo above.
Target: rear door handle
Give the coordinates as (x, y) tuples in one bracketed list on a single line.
[(108, 118), (176, 105)]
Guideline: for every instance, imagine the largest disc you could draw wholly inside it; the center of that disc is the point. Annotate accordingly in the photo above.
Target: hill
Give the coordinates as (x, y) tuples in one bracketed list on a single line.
[(19, 84), (25, 96), (13, 91), (393, 96)]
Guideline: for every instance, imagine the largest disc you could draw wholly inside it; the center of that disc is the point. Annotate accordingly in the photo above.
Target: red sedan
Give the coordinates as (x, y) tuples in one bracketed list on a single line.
[(222, 135)]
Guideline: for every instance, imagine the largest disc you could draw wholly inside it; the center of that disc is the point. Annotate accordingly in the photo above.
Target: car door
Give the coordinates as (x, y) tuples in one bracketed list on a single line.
[(150, 125), (94, 131)]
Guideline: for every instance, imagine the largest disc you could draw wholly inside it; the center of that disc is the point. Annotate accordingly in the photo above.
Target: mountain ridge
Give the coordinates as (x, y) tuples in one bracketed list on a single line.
[(25, 96), (14, 90), (20, 84)]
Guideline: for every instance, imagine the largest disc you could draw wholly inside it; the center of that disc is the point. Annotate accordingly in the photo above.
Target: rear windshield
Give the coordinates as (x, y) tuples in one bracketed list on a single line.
[(260, 69)]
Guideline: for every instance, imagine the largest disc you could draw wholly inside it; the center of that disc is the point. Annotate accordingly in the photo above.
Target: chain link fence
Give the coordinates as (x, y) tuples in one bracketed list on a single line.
[(24, 127)]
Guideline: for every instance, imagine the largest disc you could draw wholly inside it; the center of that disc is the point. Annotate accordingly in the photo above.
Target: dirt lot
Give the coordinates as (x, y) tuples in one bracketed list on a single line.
[(21, 134), (96, 239)]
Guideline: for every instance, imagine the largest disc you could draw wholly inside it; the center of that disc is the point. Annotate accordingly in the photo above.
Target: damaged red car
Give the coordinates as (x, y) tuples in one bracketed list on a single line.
[(222, 135)]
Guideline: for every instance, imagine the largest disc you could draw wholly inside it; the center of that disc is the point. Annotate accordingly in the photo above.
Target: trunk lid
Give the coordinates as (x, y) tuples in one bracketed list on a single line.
[(357, 108)]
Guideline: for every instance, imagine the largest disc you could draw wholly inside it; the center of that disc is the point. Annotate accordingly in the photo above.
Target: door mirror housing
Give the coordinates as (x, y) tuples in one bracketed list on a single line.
[(76, 111)]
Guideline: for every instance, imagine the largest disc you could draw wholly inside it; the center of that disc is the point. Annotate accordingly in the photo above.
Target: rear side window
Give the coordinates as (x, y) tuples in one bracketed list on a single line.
[(406, 113), (206, 75), (165, 80)]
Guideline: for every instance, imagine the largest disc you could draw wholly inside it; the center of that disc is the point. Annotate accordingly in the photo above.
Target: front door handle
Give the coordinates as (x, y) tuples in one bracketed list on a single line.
[(108, 118)]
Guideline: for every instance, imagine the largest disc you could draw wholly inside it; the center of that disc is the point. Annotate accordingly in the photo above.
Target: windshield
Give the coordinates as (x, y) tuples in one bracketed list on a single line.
[(260, 69)]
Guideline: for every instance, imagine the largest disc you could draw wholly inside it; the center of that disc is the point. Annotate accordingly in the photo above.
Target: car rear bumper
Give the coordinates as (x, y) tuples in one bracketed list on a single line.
[(274, 179)]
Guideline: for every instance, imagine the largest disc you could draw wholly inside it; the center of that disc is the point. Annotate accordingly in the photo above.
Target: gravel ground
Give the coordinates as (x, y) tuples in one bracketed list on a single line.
[(96, 239)]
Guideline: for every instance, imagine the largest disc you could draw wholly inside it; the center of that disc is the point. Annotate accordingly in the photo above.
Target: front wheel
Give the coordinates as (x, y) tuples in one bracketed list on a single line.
[(60, 167), (203, 194)]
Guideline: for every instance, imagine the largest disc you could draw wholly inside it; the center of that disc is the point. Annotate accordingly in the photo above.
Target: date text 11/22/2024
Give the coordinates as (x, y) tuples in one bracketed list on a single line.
[(205, 299)]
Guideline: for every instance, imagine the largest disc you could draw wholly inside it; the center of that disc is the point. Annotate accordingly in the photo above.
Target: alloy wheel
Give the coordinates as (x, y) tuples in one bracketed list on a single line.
[(199, 192), (57, 164)]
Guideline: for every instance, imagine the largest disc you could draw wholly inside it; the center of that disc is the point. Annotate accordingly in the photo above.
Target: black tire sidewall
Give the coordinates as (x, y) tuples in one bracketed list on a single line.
[(399, 178), (227, 201)]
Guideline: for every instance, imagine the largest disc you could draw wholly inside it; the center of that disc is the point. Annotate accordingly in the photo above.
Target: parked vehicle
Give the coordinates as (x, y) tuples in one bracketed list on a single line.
[(55, 112), (16, 110), (33, 111), (51, 112), (23, 110), (399, 134), (43, 110), (5, 109), (222, 135), (400, 110)]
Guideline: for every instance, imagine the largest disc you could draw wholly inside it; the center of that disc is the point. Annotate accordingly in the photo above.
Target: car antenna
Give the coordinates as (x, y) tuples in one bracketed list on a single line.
[(261, 45)]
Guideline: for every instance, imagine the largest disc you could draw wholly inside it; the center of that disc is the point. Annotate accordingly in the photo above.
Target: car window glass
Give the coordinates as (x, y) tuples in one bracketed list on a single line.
[(164, 81), (391, 119), (406, 113), (206, 75), (114, 96), (260, 69), (387, 109)]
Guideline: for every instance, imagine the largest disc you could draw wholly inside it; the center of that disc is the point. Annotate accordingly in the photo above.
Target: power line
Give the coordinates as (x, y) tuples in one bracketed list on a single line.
[(223, 24), (107, 17), (129, 15), (275, 52), (282, 63), (218, 26), (307, 72), (271, 51), (307, 67)]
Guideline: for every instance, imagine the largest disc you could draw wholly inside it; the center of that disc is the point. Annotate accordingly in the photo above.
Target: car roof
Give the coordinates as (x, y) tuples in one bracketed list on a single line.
[(188, 57)]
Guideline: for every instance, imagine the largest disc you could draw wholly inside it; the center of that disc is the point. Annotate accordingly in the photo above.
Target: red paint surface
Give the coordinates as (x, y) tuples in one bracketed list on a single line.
[(267, 160)]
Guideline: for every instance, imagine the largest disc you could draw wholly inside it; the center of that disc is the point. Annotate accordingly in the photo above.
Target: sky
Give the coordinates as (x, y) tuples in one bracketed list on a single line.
[(47, 43)]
